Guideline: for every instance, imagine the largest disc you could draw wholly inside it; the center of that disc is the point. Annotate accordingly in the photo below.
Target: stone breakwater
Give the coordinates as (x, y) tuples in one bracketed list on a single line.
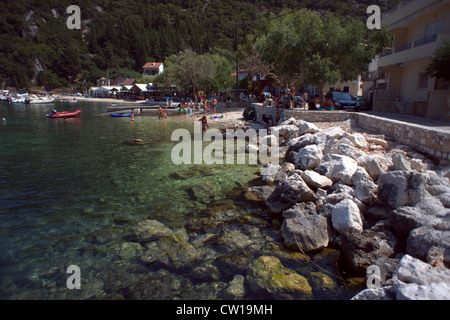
[(432, 141), (382, 203)]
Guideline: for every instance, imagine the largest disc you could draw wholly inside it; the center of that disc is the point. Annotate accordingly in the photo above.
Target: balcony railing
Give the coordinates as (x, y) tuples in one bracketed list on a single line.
[(410, 45), (399, 6), (425, 41), (403, 48)]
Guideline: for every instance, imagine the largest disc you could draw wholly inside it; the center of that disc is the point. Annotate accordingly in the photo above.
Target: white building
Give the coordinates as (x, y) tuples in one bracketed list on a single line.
[(151, 69), (418, 27)]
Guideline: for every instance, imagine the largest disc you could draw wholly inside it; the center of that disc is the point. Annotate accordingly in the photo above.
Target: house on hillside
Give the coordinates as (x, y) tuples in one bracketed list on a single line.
[(127, 82), (151, 69), (419, 27)]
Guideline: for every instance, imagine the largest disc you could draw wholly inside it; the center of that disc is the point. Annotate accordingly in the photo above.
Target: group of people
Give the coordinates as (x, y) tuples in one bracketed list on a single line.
[(188, 107), (162, 113), (288, 99)]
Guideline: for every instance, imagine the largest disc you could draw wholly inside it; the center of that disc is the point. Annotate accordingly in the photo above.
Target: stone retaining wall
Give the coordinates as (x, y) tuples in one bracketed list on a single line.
[(432, 141)]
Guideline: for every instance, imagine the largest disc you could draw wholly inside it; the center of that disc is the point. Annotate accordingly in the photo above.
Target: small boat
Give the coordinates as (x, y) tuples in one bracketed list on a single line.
[(39, 100), (63, 114), (117, 114)]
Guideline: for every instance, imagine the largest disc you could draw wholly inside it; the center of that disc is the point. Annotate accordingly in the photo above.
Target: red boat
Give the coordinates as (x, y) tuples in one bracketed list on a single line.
[(63, 114)]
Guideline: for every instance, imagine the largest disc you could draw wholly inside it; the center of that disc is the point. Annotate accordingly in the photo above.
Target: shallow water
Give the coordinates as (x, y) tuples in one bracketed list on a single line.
[(71, 192)]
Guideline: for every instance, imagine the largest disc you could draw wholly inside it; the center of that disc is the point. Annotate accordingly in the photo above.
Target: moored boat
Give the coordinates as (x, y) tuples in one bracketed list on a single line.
[(39, 100), (118, 114), (63, 114)]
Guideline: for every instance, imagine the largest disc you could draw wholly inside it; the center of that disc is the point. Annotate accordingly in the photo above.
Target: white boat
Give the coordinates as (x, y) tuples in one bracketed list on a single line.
[(39, 100), (19, 98)]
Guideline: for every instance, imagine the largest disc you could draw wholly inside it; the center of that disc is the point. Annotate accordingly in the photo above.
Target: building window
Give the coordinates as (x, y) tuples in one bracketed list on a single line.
[(441, 84), (435, 28), (423, 81)]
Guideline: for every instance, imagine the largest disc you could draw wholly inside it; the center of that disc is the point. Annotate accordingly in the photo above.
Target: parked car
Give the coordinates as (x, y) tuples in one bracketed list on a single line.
[(343, 101), (361, 103)]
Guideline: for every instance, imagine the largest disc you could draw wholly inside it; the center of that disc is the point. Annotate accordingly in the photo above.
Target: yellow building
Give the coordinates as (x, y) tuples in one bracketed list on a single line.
[(419, 27)]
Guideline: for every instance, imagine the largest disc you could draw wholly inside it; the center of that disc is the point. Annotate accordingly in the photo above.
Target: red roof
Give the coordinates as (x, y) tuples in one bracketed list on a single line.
[(129, 82), (152, 65)]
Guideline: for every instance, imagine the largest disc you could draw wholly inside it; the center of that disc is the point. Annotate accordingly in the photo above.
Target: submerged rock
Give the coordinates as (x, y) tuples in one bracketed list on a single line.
[(267, 276), (150, 230), (173, 252), (259, 193)]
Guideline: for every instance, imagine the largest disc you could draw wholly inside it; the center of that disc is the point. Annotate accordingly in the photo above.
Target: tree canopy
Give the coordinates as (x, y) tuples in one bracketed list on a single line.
[(192, 72), (306, 48), (38, 48), (439, 66)]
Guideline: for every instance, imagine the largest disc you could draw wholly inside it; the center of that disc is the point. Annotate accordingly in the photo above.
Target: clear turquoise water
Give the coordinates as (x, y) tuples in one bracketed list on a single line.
[(71, 192)]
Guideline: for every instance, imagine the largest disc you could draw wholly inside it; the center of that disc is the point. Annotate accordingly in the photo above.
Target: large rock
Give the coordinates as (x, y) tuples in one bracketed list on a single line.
[(285, 131), (433, 291), (296, 190), (173, 252), (276, 203), (292, 121), (376, 165), (362, 250), (327, 134), (305, 233), (338, 168), (402, 188), (259, 193), (405, 219), (422, 239), (268, 277), (307, 127), (437, 185), (315, 180), (300, 210), (400, 163), (412, 270), (357, 139), (150, 230), (346, 148), (346, 217), (414, 280), (308, 158), (235, 289), (365, 187)]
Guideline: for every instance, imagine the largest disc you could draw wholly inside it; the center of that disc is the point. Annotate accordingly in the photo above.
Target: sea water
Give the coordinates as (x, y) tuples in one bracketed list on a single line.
[(72, 192)]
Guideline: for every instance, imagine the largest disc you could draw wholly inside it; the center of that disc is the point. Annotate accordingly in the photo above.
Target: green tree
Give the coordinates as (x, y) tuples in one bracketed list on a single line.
[(187, 70), (439, 67), (304, 47)]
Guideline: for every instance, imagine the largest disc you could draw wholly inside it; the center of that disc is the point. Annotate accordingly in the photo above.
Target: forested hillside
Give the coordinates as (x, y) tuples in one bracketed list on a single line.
[(37, 48)]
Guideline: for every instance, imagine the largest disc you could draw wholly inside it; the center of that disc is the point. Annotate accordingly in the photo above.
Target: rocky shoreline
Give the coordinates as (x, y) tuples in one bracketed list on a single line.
[(383, 205)]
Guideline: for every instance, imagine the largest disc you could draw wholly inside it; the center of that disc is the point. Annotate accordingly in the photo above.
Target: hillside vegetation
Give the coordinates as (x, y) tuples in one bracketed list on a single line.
[(37, 48)]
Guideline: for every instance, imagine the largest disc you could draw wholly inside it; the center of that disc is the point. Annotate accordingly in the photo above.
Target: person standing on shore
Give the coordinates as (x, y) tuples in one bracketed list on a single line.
[(204, 124), (214, 105), (160, 112), (205, 106), (132, 116)]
